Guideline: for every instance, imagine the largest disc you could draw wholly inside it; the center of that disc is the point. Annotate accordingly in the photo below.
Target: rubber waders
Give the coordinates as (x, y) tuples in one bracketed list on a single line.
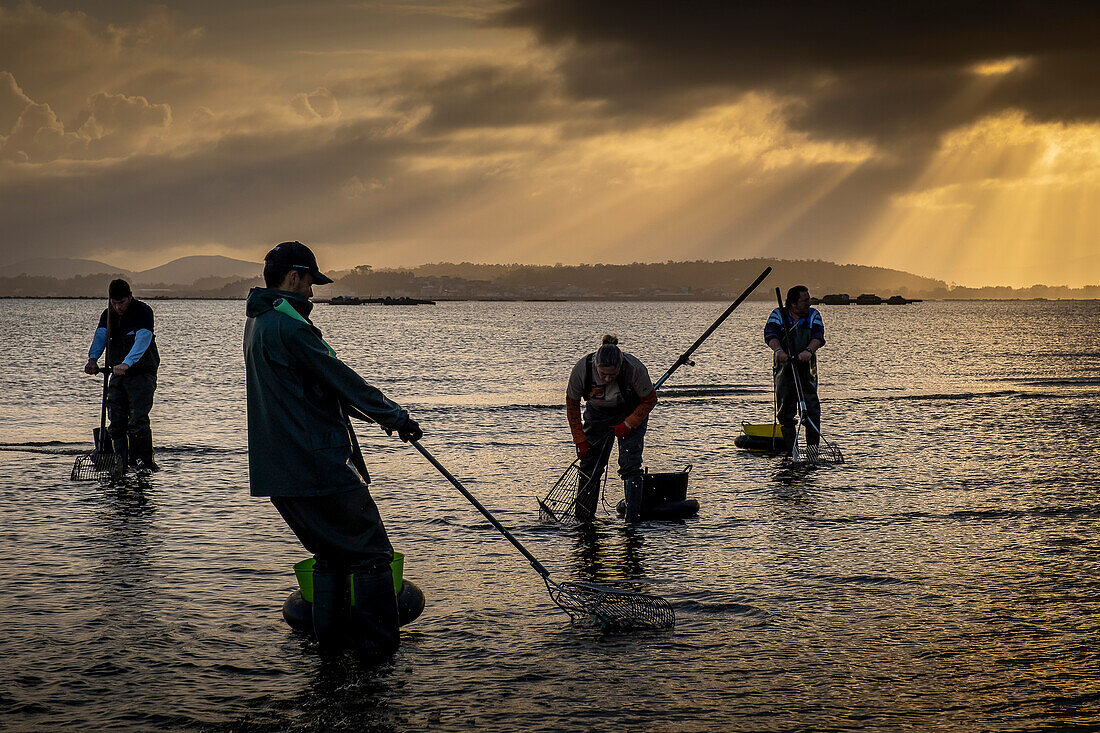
[(330, 610), (790, 434), (375, 622), (812, 436), (634, 499)]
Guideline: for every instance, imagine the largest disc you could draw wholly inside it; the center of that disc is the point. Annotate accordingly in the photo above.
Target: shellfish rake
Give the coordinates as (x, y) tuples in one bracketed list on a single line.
[(612, 609), (560, 503), (824, 452), (98, 465), (101, 464)]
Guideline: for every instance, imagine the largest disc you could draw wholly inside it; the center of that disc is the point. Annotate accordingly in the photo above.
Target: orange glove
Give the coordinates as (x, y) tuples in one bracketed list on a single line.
[(582, 449), (622, 430)]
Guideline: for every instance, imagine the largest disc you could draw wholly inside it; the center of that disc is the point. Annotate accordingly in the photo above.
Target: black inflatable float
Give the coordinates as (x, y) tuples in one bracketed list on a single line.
[(664, 496), (765, 439), (298, 609), (298, 612)]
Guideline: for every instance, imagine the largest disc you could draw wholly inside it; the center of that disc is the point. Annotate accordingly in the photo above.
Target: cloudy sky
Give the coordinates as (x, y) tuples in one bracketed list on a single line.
[(950, 138)]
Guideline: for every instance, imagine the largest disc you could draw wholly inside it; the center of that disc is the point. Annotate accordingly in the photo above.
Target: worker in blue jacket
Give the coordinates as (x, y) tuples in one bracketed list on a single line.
[(302, 454), (133, 359)]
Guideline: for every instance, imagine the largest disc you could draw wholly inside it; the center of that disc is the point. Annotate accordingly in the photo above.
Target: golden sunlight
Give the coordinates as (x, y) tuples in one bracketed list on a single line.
[(1004, 201), (998, 67)]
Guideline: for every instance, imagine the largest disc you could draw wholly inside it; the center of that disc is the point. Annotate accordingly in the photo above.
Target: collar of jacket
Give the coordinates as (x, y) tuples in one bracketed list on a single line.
[(284, 306), (805, 321), (261, 300)]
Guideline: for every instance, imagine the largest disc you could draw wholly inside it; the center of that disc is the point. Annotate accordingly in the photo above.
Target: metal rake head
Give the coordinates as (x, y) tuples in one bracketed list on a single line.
[(98, 466), (613, 609), (560, 503), (826, 452), (823, 453)]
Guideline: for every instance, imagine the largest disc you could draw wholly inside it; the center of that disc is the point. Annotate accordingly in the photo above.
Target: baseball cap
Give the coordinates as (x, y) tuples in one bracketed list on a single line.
[(299, 257)]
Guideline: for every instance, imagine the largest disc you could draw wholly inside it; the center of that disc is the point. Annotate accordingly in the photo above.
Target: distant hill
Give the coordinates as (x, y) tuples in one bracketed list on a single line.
[(63, 267), (186, 270), (662, 280), (205, 276)]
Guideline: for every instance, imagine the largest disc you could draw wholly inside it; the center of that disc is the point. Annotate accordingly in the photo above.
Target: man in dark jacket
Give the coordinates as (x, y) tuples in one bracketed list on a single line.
[(303, 455), (133, 359)]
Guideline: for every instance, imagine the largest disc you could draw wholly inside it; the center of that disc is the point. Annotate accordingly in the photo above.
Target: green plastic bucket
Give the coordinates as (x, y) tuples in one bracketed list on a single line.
[(303, 571)]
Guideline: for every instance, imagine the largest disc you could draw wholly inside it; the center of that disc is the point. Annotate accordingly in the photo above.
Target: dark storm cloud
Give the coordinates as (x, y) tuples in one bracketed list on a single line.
[(486, 96), (872, 69), (342, 186), (1056, 86), (264, 187), (892, 108), (464, 95)]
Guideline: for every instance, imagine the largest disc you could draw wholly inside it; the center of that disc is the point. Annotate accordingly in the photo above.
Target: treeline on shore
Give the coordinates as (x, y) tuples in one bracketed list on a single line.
[(698, 280)]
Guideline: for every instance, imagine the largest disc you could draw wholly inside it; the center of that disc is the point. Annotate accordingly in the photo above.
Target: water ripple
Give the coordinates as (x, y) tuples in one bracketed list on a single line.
[(946, 578)]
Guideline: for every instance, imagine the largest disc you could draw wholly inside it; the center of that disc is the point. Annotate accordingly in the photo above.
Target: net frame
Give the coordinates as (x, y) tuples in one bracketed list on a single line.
[(99, 466), (824, 452), (612, 609), (560, 503)]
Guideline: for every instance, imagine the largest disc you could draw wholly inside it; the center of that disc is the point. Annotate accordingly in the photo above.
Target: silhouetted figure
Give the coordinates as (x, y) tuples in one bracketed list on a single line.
[(303, 455), (133, 359), (807, 335), (619, 396)]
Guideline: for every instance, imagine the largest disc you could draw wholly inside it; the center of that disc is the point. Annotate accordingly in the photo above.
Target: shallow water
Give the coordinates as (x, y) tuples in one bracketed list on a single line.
[(946, 577)]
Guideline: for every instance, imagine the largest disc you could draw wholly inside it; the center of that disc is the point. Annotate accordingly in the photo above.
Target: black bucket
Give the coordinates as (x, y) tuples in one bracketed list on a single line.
[(664, 496), (664, 488)]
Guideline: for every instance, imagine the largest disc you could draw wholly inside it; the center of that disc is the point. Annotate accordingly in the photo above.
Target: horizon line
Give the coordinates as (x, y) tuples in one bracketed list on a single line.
[(949, 284)]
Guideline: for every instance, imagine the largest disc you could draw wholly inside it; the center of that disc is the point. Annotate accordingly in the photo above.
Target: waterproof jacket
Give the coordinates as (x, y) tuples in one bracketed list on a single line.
[(298, 395)]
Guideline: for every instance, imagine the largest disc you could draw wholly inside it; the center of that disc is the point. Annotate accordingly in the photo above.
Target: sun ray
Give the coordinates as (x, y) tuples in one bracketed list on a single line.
[(996, 203)]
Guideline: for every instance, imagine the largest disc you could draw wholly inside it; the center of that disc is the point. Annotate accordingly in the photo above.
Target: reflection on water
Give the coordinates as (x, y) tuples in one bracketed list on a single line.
[(124, 575), (796, 477), (346, 694), (607, 554), (947, 576)]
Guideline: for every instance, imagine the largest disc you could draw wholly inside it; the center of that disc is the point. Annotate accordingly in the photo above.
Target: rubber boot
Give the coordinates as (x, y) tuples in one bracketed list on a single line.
[(588, 497), (141, 445), (376, 626), (330, 610), (789, 435), (120, 449), (812, 436), (633, 490)]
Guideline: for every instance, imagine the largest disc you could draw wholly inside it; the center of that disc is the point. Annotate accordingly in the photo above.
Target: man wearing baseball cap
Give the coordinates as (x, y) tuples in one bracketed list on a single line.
[(303, 455), (294, 256)]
